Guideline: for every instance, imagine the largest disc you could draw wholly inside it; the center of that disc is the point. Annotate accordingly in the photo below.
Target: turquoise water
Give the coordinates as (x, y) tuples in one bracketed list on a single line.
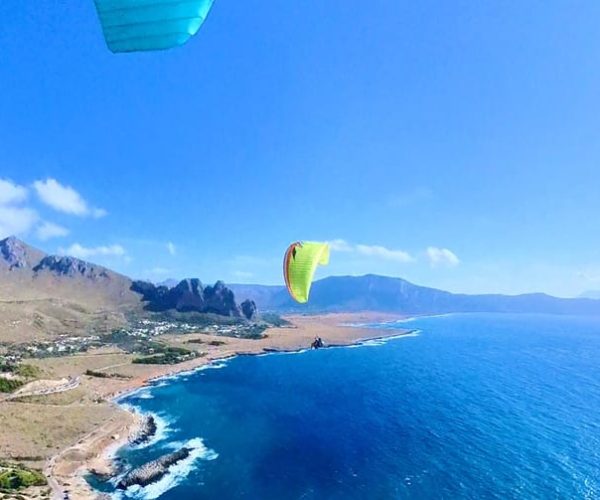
[(473, 406)]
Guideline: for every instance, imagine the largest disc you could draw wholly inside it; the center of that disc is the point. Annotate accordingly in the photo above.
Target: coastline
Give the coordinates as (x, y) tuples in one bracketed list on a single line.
[(95, 452)]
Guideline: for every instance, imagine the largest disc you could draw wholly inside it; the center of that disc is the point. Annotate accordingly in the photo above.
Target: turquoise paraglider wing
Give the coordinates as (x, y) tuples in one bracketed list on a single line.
[(139, 25)]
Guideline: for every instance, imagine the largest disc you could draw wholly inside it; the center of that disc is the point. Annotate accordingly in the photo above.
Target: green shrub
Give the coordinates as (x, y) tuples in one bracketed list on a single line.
[(274, 320), (168, 356), (94, 373), (15, 477), (9, 385), (194, 341), (27, 371)]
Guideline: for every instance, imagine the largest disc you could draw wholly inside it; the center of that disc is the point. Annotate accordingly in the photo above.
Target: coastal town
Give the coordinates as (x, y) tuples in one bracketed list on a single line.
[(135, 339)]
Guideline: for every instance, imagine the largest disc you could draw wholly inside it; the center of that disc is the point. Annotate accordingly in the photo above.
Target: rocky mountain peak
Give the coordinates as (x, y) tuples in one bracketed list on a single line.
[(220, 299), (189, 295), (70, 266), (248, 308), (190, 285), (16, 254)]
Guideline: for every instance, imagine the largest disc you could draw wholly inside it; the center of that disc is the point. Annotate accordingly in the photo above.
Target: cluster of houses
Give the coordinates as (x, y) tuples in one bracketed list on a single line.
[(64, 345)]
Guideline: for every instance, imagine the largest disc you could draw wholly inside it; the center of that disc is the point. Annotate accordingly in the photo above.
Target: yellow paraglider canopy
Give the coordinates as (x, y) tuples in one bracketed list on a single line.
[(299, 265)]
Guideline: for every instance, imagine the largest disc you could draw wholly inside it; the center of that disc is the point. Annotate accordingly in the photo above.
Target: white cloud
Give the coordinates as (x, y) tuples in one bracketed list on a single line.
[(16, 220), (171, 248), (82, 252), (47, 230), (11, 193), (442, 257), (436, 256), (376, 251), (384, 253), (591, 275), (98, 213), (340, 246), (65, 199)]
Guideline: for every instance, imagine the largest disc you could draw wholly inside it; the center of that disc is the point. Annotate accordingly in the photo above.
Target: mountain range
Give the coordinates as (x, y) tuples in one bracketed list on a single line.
[(386, 294), (44, 295)]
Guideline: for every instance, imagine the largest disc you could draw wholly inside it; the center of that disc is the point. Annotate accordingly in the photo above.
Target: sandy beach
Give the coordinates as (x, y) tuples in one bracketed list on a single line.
[(94, 451)]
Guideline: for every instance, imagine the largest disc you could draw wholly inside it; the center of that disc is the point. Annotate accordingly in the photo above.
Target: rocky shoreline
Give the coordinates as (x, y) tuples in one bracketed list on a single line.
[(154, 470), (67, 471), (145, 431)]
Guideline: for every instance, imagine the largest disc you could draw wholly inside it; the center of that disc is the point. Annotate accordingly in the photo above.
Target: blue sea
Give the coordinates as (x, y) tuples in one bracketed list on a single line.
[(470, 406)]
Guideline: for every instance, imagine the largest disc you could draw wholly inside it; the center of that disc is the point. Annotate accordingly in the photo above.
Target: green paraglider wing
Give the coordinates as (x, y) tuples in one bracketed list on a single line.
[(138, 25), (299, 265)]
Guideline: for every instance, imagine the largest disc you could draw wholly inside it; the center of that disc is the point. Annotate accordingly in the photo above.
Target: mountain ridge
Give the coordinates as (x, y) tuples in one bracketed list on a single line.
[(388, 294), (45, 295), (27, 273)]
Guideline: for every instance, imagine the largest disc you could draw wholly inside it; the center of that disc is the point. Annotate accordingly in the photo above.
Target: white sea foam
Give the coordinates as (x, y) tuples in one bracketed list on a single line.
[(159, 383), (176, 474), (381, 340), (286, 353), (128, 406), (163, 430), (164, 425), (213, 366), (416, 318), (145, 394)]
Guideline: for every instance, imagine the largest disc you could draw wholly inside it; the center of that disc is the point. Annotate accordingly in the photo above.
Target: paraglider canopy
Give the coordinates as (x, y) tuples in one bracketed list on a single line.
[(299, 265), (139, 25)]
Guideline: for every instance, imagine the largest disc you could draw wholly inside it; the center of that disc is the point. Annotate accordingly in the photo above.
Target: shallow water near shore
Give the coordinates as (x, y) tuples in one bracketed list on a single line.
[(475, 406)]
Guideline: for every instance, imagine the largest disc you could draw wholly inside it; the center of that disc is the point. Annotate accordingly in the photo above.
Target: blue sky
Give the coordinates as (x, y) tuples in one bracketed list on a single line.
[(455, 144)]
